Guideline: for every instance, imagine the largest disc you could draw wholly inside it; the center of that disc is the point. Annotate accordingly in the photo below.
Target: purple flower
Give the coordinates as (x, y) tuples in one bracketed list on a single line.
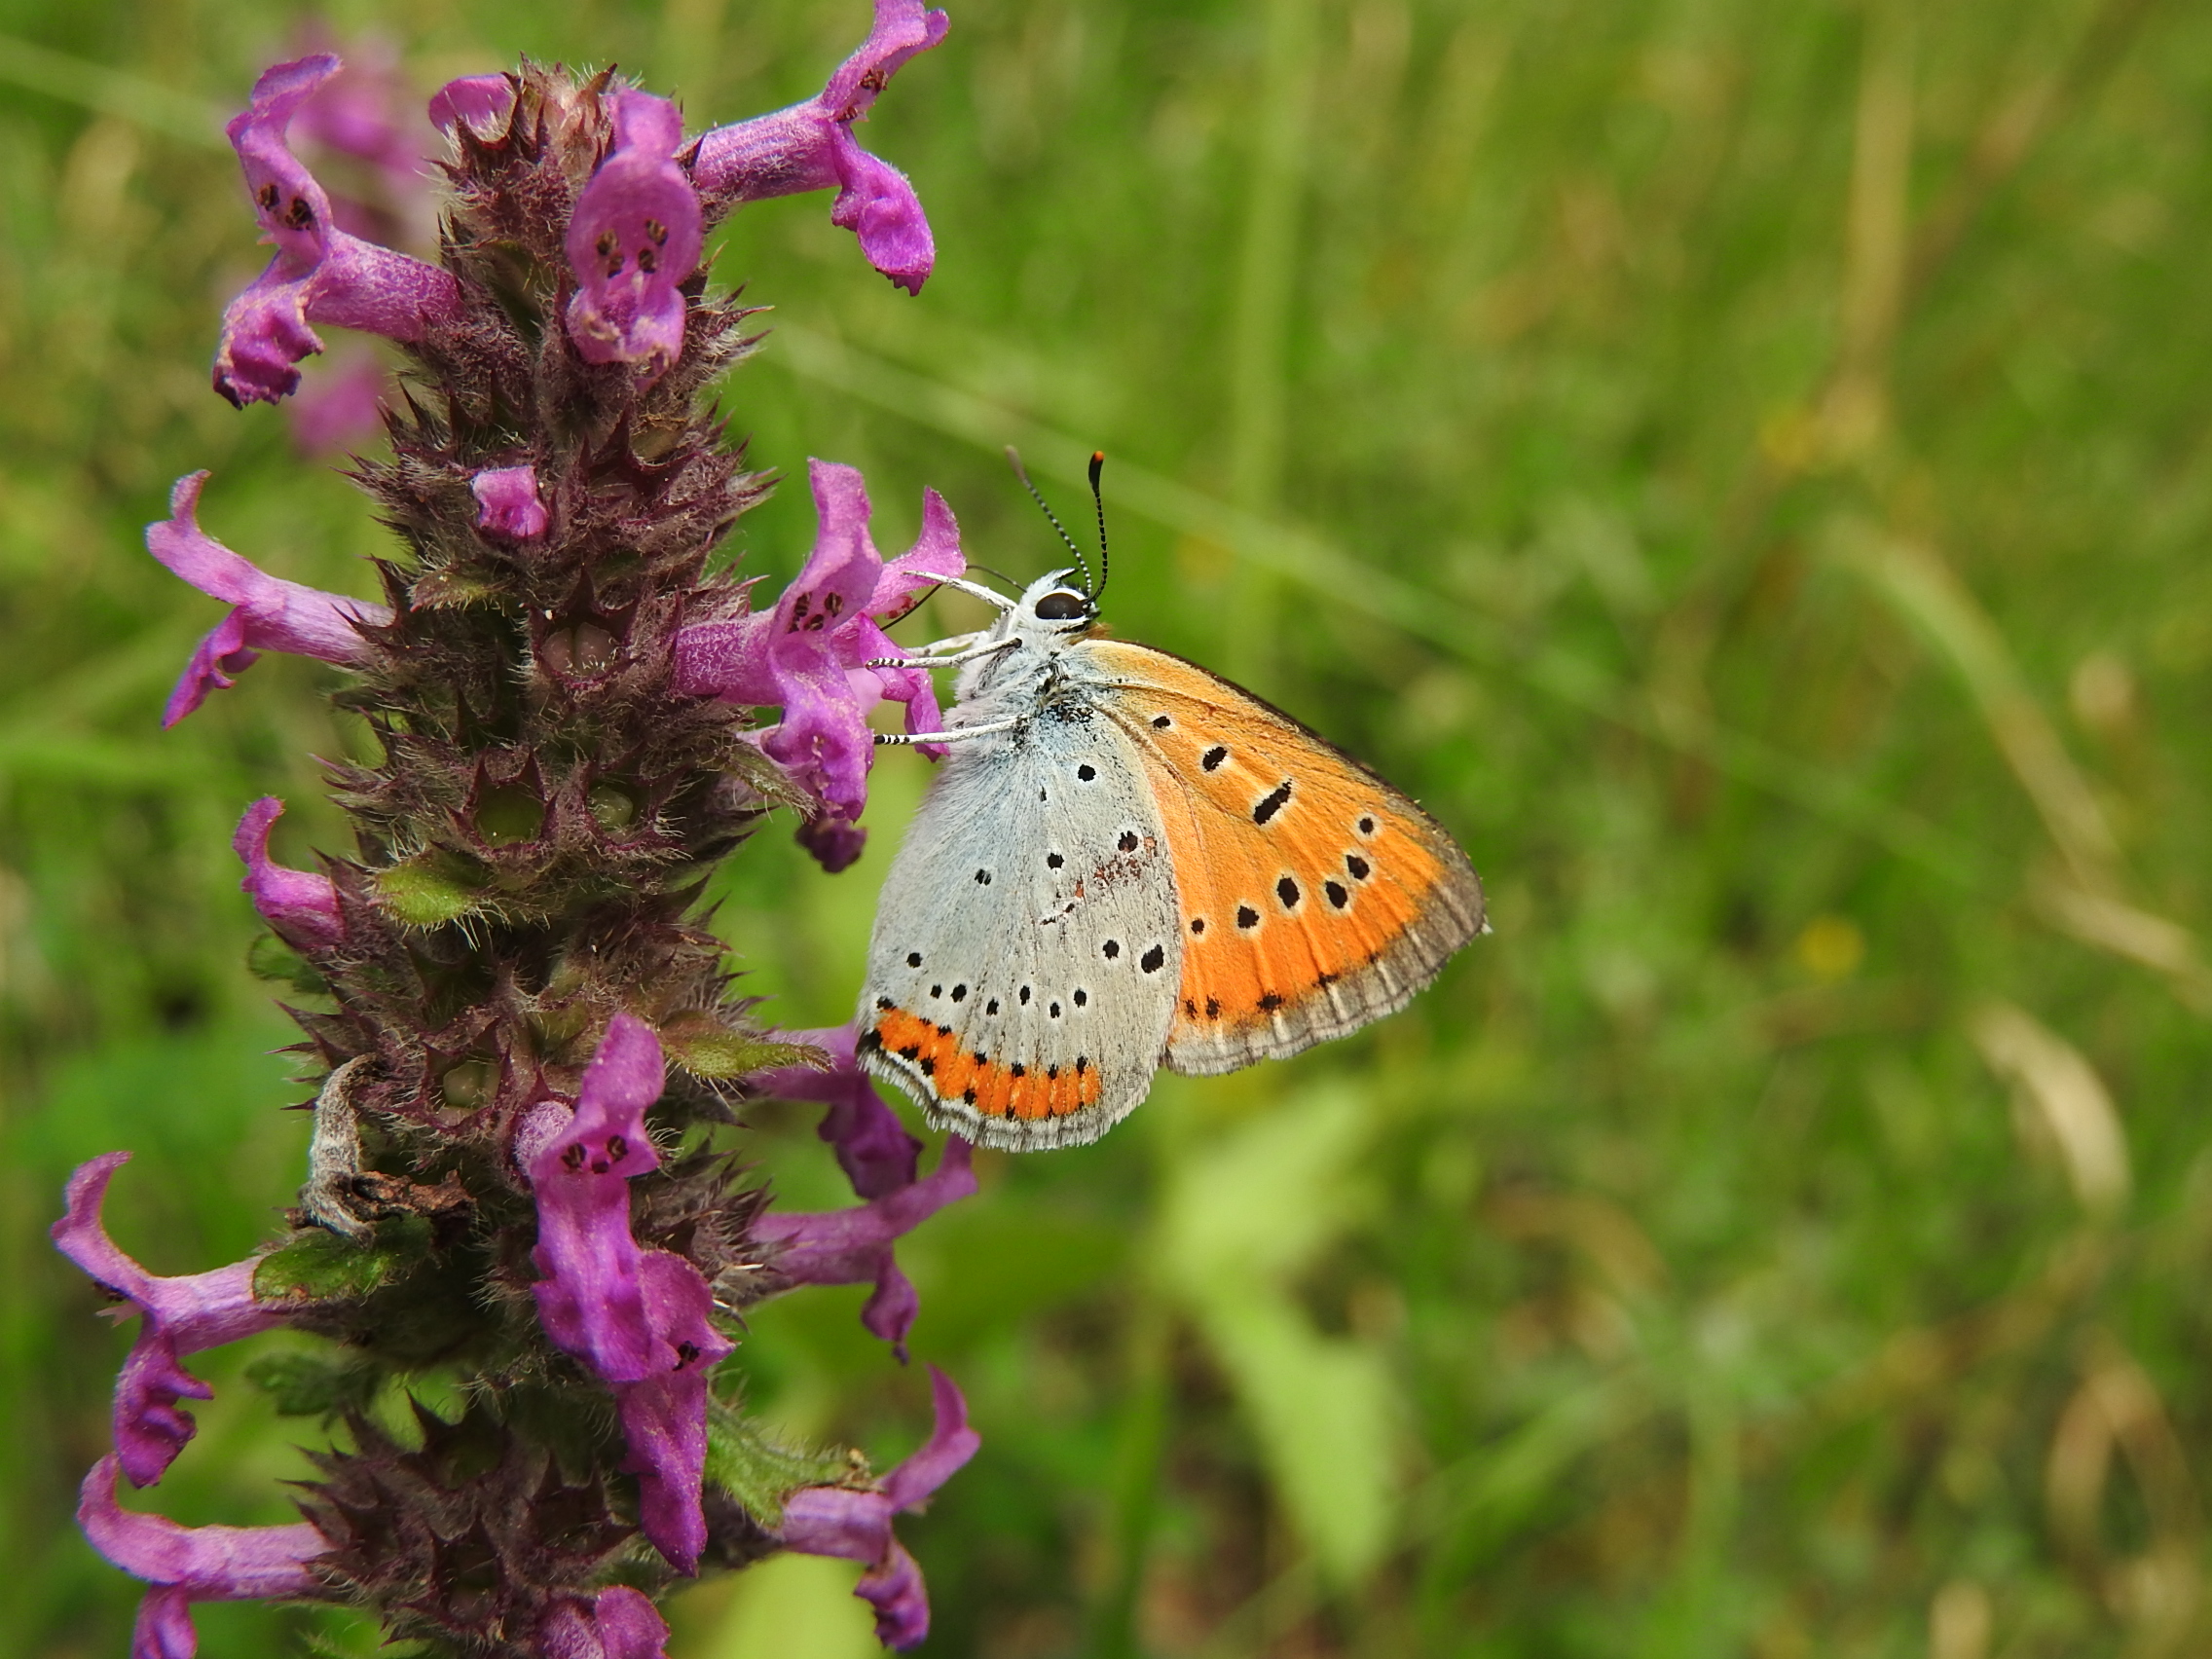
[(874, 1148), (664, 1418), (809, 654), (810, 146), (853, 1246), (855, 1525), (269, 614), (615, 1624), (178, 1316), (592, 1299), (363, 111), (634, 238), (480, 102), (296, 905), (834, 841), (507, 504), (185, 1565), (321, 274), (638, 1318)]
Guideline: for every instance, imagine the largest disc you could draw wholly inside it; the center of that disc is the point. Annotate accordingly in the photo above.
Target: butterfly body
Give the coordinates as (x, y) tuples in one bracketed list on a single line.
[(1126, 861)]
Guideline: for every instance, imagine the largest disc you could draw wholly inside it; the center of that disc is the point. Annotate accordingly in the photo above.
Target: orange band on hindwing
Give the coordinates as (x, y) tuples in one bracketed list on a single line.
[(941, 1063)]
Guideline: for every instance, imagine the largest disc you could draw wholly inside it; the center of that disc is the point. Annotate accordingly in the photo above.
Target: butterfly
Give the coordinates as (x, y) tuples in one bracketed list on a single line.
[(1126, 861)]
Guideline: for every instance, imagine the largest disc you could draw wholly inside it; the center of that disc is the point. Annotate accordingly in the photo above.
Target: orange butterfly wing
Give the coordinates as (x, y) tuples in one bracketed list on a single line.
[(1315, 898)]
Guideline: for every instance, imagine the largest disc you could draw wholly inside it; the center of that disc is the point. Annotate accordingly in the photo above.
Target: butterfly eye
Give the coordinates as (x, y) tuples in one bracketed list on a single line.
[(1063, 607)]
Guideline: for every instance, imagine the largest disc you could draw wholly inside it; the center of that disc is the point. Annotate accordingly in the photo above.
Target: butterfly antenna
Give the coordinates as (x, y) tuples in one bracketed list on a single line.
[(1013, 460), (1098, 465)]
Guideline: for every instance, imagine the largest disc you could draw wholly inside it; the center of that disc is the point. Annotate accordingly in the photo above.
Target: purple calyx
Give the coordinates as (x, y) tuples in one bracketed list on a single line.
[(321, 274), (810, 146)]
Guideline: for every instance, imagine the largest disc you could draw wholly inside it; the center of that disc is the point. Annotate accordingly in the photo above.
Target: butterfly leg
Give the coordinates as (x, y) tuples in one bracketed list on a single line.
[(997, 600), (959, 654), (953, 736)]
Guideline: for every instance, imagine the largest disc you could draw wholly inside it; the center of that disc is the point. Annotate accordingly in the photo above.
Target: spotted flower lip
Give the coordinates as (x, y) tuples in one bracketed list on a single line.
[(855, 1525), (592, 1299), (874, 1148), (638, 1317), (295, 902), (810, 146), (635, 237), (267, 614), (321, 274), (853, 1246), (810, 654), (508, 507), (184, 1565), (362, 112), (178, 1316)]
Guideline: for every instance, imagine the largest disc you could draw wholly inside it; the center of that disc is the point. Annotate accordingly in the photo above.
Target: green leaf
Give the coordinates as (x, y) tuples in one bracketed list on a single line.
[(325, 1266), (714, 1050), (311, 1384), (761, 1473), (431, 891)]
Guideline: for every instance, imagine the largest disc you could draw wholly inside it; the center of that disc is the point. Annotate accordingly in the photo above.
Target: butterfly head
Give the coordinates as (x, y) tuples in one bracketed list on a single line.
[(1053, 606)]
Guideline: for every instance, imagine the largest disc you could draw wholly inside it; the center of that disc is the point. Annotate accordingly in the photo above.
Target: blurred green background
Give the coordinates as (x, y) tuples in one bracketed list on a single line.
[(1747, 467)]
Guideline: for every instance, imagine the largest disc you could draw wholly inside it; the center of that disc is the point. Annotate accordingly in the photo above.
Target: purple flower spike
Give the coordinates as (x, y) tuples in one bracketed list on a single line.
[(853, 1246), (507, 504), (635, 237), (615, 1624), (271, 615), (321, 274), (179, 1317), (295, 903), (185, 1565), (855, 1525), (810, 146), (479, 101), (809, 654), (664, 1418), (874, 1148), (592, 1299)]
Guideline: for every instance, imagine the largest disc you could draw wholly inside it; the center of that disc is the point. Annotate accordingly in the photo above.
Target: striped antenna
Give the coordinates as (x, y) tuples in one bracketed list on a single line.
[(1013, 460)]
